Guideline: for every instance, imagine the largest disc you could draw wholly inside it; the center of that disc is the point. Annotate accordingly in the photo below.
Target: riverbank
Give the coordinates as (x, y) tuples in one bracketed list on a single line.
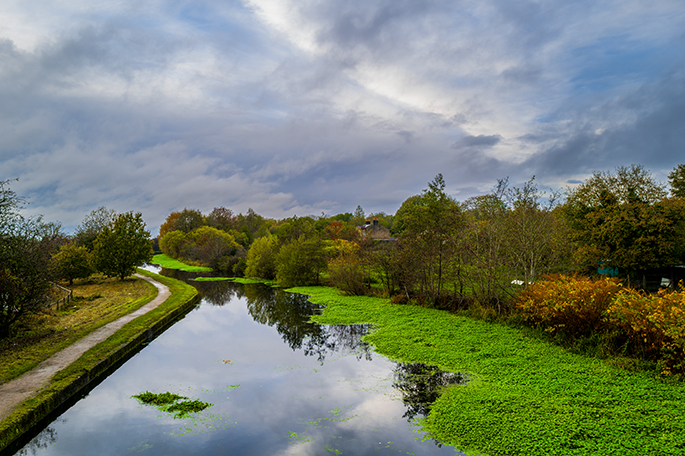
[(101, 358), (524, 396)]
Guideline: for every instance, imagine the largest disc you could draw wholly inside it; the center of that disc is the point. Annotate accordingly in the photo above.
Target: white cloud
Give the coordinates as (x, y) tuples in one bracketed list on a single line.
[(302, 107)]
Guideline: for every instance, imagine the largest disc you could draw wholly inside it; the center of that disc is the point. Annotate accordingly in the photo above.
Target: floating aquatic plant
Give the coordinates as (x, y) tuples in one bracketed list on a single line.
[(179, 406)]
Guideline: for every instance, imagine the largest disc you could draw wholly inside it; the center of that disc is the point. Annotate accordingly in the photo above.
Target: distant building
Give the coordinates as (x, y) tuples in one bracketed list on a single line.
[(375, 230)]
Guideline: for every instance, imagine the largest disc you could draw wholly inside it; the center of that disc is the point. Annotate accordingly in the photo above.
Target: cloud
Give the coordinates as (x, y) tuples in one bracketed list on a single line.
[(477, 141), (302, 107)]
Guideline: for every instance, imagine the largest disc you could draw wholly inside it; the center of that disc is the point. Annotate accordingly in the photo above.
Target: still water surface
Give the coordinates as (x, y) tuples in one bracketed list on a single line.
[(279, 385)]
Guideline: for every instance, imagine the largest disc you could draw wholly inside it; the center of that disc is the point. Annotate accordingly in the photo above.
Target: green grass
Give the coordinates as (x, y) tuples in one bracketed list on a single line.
[(169, 263), (38, 406), (525, 396), (96, 302)]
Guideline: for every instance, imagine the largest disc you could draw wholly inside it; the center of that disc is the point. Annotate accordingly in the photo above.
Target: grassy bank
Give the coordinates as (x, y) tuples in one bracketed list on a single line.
[(96, 302), (100, 359), (169, 263), (525, 396)]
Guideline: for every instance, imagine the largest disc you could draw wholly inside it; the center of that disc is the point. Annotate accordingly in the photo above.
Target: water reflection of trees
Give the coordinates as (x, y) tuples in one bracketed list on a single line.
[(290, 314), (421, 385), (216, 293), (47, 436)]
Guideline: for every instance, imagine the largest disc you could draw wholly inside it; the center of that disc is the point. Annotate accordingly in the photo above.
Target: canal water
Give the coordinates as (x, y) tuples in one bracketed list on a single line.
[(278, 384)]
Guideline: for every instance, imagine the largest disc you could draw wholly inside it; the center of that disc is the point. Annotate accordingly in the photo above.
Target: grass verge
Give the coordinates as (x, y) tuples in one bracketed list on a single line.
[(170, 263), (100, 359), (96, 302), (526, 396)]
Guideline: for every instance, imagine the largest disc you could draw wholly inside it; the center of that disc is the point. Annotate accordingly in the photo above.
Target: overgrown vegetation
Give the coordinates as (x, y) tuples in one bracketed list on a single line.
[(524, 395), (618, 320)]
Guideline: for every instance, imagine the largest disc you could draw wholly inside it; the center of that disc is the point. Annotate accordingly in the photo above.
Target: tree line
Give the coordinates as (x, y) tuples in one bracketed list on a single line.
[(449, 254), (35, 253), (440, 252)]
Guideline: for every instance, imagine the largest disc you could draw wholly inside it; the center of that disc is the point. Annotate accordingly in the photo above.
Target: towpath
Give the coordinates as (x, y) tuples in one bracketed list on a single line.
[(13, 393)]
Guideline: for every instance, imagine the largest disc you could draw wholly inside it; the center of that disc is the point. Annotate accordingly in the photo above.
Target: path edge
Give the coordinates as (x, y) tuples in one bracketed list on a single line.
[(101, 360)]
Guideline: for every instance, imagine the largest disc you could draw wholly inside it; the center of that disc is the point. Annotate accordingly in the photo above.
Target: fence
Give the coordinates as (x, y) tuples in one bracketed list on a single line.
[(68, 294)]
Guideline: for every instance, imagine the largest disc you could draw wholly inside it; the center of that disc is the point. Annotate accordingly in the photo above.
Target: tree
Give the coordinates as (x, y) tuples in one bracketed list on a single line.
[(252, 225), (358, 218), (626, 219), (24, 260), (484, 247), (92, 225), (170, 244), (677, 181), (222, 218), (72, 262), (261, 258), (430, 227), (10, 204), (123, 246), (295, 227), (189, 220), (300, 262), (534, 240), (169, 225), (212, 244)]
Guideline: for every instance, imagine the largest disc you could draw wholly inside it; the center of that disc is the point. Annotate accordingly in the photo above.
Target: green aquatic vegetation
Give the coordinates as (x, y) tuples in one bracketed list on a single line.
[(297, 438), (524, 395), (179, 406)]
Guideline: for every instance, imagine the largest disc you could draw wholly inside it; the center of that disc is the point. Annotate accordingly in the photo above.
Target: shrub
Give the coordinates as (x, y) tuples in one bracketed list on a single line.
[(572, 305), (347, 274), (655, 324)]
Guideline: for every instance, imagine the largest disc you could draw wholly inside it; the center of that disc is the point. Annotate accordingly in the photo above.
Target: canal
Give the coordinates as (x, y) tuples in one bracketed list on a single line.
[(277, 383)]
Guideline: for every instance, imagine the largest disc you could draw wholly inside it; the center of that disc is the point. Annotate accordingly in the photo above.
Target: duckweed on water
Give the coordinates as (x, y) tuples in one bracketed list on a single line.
[(525, 396), (179, 406)]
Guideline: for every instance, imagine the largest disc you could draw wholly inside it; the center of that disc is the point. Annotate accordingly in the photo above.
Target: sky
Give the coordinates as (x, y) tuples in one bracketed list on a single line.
[(304, 107)]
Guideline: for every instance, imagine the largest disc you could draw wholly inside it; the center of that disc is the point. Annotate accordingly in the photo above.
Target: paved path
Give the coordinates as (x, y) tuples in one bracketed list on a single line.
[(13, 393)]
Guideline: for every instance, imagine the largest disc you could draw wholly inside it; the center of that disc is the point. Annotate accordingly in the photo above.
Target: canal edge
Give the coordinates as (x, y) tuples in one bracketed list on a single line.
[(94, 366)]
